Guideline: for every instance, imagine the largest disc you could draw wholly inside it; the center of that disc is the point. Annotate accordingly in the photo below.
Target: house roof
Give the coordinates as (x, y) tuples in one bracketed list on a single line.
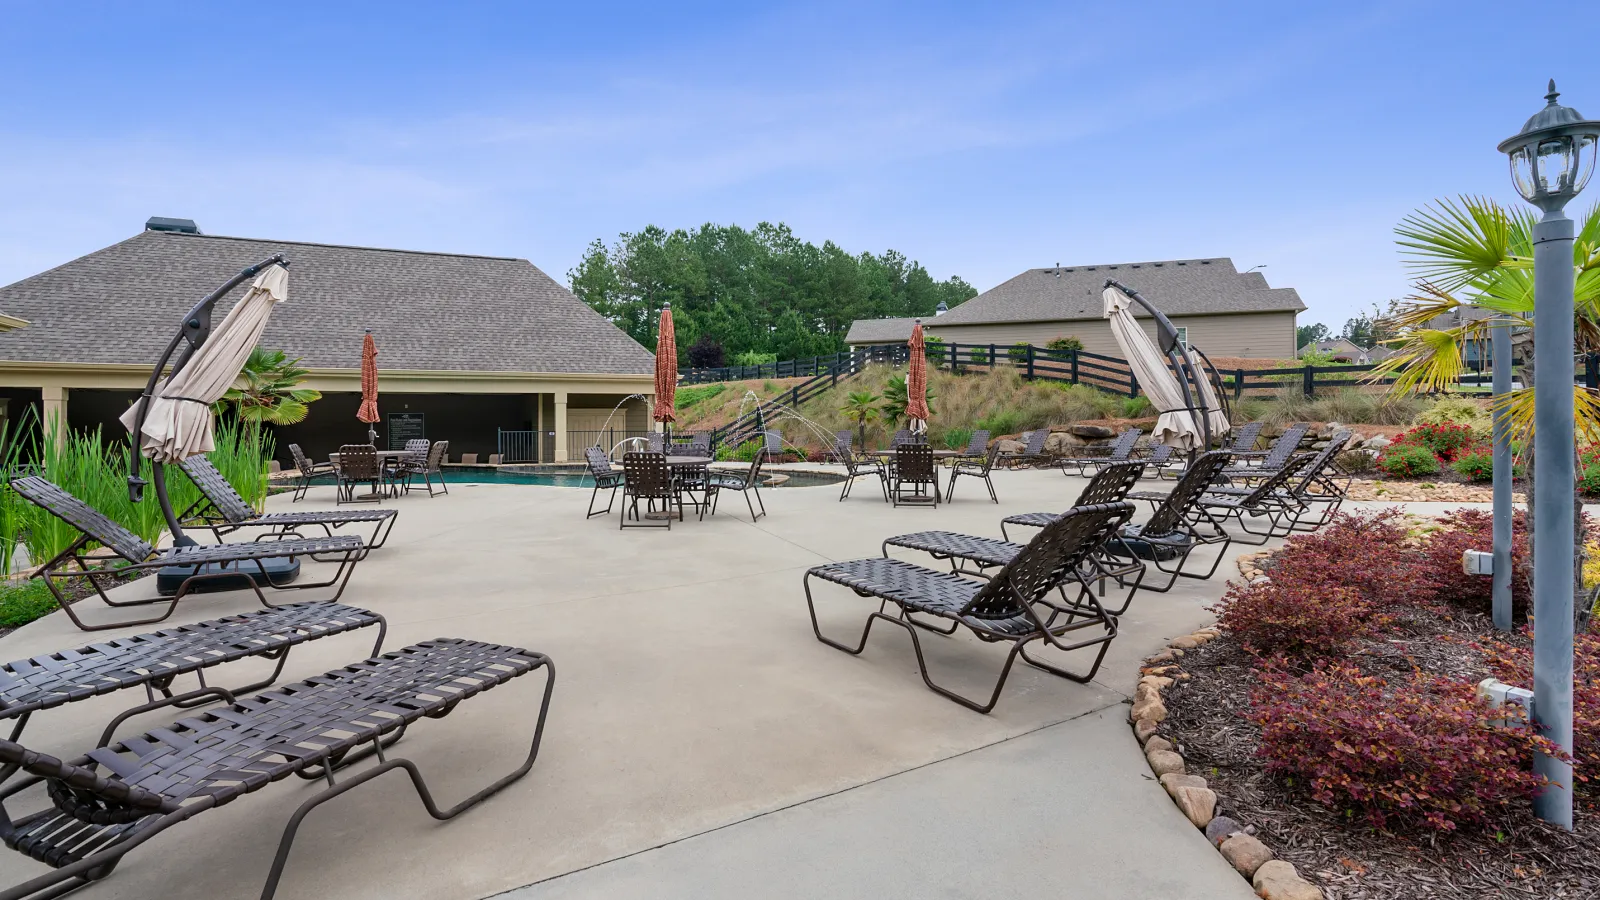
[(428, 311), (876, 331), (1181, 287), (1332, 345)]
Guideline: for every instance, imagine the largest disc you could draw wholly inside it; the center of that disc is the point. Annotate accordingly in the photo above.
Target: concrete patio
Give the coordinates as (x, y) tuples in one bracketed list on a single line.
[(701, 743)]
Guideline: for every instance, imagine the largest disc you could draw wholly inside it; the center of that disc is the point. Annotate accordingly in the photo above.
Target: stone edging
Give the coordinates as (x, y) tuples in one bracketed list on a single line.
[(1273, 879)]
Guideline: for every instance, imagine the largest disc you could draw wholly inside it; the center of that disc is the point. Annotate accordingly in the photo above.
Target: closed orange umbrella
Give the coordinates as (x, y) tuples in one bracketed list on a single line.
[(369, 386), (917, 382), (666, 368)]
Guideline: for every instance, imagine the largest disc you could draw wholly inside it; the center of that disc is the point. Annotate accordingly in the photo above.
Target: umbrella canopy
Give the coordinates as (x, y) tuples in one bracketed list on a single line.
[(179, 423), (917, 382), (368, 412), (1176, 427), (1208, 397), (666, 368)]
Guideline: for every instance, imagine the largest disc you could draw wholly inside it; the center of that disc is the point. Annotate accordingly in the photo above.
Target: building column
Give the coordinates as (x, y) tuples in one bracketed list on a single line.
[(54, 398), (561, 426)]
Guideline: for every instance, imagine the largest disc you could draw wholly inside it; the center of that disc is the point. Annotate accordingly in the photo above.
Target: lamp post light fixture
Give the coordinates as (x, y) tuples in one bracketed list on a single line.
[(1551, 160)]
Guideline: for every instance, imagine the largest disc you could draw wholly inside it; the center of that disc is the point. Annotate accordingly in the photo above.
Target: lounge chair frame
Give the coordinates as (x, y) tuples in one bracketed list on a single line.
[(1175, 530), (1269, 499), (223, 511), (1032, 451), (1119, 451)]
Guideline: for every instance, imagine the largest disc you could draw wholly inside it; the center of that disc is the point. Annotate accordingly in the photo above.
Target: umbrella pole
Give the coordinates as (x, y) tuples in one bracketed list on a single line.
[(195, 328)]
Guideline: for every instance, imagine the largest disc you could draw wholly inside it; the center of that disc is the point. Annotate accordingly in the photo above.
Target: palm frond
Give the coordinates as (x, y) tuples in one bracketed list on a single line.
[(1428, 360), (1456, 241), (1518, 408)]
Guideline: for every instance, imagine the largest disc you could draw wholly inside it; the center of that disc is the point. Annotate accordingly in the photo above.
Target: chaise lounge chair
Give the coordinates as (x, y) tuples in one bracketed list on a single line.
[(1120, 451), (107, 802), (1001, 609), (1110, 485), (1268, 498), (221, 509), (212, 562), (1032, 451), (1175, 530)]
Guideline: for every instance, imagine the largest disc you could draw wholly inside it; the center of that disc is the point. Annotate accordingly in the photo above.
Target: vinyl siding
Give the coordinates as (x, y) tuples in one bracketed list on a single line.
[(1268, 335)]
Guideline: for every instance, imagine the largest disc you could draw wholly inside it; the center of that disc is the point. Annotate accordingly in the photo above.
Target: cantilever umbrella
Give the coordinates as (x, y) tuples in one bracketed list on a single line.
[(368, 412), (666, 368), (179, 423), (1176, 427), (917, 382)]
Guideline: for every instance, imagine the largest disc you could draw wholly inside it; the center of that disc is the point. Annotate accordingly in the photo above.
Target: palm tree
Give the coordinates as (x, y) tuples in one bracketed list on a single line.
[(896, 398), (861, 407), (271, 393), (1474, 252)]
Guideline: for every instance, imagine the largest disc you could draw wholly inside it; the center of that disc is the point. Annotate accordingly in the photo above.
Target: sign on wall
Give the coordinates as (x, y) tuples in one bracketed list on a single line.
[(405, 427)]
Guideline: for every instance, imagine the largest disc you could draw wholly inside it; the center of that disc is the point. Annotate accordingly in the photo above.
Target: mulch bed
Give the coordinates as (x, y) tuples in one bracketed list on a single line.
[(1519, 857), (79, 588)]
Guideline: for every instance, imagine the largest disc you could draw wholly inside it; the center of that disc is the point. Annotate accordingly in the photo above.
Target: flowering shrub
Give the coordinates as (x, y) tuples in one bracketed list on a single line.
[(1446, 441), (1475, 465), (1407, 460), (1589, 479), (1514, 665), (1417, 753)]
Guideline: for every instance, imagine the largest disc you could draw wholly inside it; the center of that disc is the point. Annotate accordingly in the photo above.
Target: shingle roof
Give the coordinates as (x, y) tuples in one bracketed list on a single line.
[(428, 311), (872, 331), (1182, 287)]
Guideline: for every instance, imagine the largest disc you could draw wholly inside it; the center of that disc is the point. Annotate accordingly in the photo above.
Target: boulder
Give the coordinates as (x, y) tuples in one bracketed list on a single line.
[(1199, 804), (1320, 444), (1174, 780), (1147, 705), (1164, 656), (1327, 431), (1144, 730), (1187, 642), (1156, 681), (1093, 432), (1222, 828), (1277, 880), (1059, 443), (1245, 853), (1009, 446), (1376, 442), (1157, 743), (1165, 762)]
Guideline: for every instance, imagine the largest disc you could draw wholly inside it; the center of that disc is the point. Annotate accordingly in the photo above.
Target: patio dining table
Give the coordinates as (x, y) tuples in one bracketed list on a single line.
[(386, 459), (686, 470), (937, 454)]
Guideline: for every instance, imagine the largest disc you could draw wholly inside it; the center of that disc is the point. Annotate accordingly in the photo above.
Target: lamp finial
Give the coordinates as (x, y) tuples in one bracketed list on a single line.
[(1553, 94)]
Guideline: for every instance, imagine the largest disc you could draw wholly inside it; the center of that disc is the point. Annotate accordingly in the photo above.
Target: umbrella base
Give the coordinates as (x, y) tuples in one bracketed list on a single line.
[(280, 571)]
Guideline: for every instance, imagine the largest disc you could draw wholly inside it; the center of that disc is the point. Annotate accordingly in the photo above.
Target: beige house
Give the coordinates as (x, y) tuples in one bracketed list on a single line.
[(1215, 307), (471, 349)]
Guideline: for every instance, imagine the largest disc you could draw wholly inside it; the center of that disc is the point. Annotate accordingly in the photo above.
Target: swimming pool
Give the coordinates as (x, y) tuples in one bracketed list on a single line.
[(549, 477)]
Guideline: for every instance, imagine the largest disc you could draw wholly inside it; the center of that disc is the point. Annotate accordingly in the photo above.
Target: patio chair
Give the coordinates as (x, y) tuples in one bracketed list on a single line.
[(772, 445), (856, 466), (211, 562), (646, 476), (1000, 609), (1260, 463), (912, 467), (1109, 485), (109, 801), (981, 469), (1120, 450), (308, 470), (1175, 530), (901, 437), (977, 445), (1321, 486), (430, 468), (153, 661), (843, 444), (416, 454), (605, 479), (658, 442), (747, 483), (1033, 449), (223, 511), (1268, 498), (358, 465)]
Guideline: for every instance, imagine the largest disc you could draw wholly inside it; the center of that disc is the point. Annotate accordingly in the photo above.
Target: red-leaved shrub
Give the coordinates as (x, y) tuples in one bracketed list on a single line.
[(1371, 554), (1276, 617), (1439, 561), (1514, 665), (1419, 753)]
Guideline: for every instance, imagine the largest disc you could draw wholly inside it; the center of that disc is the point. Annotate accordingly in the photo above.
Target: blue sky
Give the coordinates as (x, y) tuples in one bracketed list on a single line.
[(980, 139)]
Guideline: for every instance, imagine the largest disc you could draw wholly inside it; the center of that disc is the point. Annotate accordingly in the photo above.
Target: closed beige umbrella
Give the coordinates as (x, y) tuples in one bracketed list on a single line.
[(1175, 427), (1208, 397), (179, 424)]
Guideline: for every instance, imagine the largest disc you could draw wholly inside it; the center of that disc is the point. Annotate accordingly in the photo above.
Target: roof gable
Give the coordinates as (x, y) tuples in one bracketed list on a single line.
[(428, 311)]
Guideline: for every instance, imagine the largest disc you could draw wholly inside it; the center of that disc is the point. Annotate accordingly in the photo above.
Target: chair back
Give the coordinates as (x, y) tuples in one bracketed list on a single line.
[(1323, 460), (358, 462), (647, 475), (903, 436), (217, 490), (1036, 441), (1160, 453), (1285, 446), (1174, 511), (599, 463), (843, 444), (87, 792), (1243, 437), (700, 444), (751, 477), (1123, 447), (1111, 484), (914, 463), (978, 445), (1059, 549), (436, 456), (990, 458), (301, 461), (417, 451), (658, 442), (772, 442), (100, 528), (1298, 463)]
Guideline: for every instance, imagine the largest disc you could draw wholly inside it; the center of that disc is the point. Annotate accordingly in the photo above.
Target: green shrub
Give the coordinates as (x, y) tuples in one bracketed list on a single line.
[(1350, 406), (1019, 352), (752, 358), (1454, 409), (22, 603), (1005, 421), (979, 356), (689, 396), (957, 438), (1475, 465), (1137, 407), (745, 452), (1589, 481), (933, 347), (1407, 461), (1065, 342)]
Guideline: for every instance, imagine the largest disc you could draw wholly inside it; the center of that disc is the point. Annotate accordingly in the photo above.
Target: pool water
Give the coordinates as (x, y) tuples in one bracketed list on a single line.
[(569, 478)]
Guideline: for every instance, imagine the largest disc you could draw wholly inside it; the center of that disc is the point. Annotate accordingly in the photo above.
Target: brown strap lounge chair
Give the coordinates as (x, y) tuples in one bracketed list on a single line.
[(1261, 463), (1240, 441), (1121, 450), (1176, 529), (1032, 451), (1270, 498), (977, 445), (1315, 494), (1109, 485), (230, 563), (152, 661), (1005, 608), (105, 803), (308, 470), (221, 509)]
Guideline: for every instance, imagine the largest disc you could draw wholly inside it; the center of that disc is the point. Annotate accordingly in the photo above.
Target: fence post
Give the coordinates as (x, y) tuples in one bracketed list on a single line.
[(1074, 366), (991, 357), (1310, 387), (1238, 385), (1030, 362), (1591, 371), (1133, 384), (952, 357)]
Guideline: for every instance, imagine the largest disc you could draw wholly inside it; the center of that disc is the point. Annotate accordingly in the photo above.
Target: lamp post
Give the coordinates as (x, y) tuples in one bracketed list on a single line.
[(1551, 160)]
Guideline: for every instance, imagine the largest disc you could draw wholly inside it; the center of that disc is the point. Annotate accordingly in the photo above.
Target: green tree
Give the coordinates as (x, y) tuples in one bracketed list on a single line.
[(271, 393), (1311, 334), (860, 407)]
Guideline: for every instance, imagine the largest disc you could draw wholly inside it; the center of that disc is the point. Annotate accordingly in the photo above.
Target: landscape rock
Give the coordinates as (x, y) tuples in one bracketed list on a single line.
[(1165, 762), (1156, 681), (1320, 445), (1164, 656), (1376, 442), (1093, 432), (1199, 804), (1277, 880), (1187, 642), (1144, 730), (1175, 780), (1222, 828), (1147, 706), (1060, 443), (1009, 446), (1245, 853), (1158, 743)]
